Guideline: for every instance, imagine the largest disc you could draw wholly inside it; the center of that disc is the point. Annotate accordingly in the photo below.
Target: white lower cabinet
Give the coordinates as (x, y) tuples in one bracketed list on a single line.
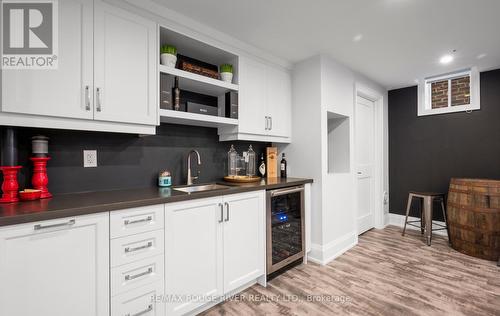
[(56, 267), (212, 247), (142, 301)]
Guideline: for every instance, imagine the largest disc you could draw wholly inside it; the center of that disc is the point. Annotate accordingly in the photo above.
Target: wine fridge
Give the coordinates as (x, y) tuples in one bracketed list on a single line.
[(285, 227)]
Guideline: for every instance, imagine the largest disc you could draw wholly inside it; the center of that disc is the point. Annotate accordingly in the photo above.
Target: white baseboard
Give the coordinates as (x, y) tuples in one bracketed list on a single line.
[(324, 254), (399, 220)]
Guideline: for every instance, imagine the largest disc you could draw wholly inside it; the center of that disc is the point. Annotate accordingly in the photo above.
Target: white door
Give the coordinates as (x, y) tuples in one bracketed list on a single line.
[(193, 253), (67, 90), (364, 134), (252, 97), (244, 239), (125, 73), (58, 267), (279, 102)]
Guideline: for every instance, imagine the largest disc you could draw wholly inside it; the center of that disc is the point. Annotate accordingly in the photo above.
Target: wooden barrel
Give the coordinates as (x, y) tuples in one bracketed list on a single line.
[(473, 214)]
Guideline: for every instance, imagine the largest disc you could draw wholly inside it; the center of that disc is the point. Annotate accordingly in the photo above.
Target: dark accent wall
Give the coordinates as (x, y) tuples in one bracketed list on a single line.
[(127, 161), (426, 152)]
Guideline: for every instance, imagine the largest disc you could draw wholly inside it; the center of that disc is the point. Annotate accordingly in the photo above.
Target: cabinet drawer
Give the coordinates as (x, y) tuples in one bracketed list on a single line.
[(136, 220), (143, 301), (133, 275), (136, 247)]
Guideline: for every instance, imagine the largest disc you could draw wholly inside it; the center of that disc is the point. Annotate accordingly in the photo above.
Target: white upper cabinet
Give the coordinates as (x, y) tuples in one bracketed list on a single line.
[(279, 102), (62, 92), (107, 72), (125, 47), (265, 104), (252, 97), (57, 267)]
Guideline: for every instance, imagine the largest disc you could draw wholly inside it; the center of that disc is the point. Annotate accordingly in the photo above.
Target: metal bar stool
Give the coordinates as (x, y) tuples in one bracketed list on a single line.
[(428, 199)]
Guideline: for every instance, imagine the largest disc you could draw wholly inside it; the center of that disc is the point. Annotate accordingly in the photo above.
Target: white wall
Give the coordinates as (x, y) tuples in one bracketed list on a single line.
[(334, 201)]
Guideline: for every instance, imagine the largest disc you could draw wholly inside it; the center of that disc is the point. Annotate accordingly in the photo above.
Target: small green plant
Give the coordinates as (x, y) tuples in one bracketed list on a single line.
[(226, 68), (168, 49)]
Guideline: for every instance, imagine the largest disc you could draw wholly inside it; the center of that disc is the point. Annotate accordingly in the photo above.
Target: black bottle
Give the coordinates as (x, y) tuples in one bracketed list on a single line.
[(283, 166), (262, 166)]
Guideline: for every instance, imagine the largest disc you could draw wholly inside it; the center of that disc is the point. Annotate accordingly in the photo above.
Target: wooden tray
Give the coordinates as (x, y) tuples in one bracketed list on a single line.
[(241, 179)]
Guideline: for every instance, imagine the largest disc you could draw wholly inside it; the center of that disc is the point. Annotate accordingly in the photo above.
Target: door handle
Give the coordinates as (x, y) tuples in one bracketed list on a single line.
[(98, 99), (267, 122), (68, 223), (148, 245), (129, 277), (227, 212), (221, 219), (270, 123), (87, 98), (147, 310), (137, 221)]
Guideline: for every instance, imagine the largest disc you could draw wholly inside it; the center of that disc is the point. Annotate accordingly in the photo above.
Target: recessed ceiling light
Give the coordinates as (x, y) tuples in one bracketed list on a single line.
[(357, 38), (446, 59)]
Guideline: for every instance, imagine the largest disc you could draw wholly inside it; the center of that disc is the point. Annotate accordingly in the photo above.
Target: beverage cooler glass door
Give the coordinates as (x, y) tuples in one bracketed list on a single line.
[(285, 227)]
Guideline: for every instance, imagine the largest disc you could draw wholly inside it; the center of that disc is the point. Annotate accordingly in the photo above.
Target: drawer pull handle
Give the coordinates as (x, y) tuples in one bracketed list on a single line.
[(147, 310), (68, 223), (129, 277), (148, 245), (147, 219)]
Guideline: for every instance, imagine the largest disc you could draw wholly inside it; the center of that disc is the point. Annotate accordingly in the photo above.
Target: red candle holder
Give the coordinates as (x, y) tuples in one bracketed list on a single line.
[(10, 186), (40, 179)]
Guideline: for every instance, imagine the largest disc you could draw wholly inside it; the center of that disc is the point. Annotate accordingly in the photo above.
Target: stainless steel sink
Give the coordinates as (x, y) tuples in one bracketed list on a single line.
[(202, 188)]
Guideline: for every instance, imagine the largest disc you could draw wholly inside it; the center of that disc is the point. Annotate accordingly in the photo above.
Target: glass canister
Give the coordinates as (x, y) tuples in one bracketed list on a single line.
[(232, 162), (251, 169), (164, 178)]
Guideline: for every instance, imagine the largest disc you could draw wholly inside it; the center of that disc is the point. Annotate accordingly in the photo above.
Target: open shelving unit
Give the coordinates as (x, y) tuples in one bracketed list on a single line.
[(197, 83)]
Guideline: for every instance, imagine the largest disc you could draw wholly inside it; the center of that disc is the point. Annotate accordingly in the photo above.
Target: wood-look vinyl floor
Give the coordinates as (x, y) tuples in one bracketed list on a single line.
[(385, 274)]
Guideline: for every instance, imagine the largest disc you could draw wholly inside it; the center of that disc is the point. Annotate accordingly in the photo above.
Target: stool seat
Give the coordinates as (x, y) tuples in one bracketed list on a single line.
[(426, 213), (426, 193)]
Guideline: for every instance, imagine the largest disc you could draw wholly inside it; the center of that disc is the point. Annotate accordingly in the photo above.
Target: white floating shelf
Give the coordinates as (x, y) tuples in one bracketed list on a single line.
[(186, 118), (198, 83)]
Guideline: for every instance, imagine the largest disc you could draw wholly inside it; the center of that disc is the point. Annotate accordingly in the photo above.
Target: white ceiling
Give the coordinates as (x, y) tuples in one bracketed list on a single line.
[(401, 40)]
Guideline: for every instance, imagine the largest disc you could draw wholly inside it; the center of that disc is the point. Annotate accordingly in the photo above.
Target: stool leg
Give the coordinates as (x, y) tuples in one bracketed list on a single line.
[(408, 206), (428, 219), (422, 217), (445, 220)]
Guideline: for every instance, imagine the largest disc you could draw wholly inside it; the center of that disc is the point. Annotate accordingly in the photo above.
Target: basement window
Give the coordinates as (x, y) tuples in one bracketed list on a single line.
[(454, 92)]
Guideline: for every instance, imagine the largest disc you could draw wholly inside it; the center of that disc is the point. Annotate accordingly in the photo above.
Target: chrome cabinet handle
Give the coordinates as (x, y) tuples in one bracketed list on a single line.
[(221, 219), (98, 99), (129, 222), (267, 123), (270, 123), (148, 245), (129, 277), (227, 212), (68, 223), (147, 310), (286, 191), (87, 98)]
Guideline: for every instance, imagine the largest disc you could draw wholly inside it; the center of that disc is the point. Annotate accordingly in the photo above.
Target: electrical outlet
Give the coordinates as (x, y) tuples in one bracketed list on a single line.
[(89, 158)]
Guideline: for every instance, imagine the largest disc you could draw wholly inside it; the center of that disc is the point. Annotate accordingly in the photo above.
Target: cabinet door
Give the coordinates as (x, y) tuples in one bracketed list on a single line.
[(67, 90), (244, 239), (252, 97), (193, 254), (279, 102), (125, 66), (58, 267)]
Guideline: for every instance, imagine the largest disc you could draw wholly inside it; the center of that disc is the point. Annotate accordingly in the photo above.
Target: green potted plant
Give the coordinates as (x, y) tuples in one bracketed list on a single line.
[(168, 55), (226, 72)]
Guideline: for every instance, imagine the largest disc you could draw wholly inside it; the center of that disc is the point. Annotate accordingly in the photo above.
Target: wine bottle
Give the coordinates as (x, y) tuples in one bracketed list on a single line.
[(262, 166), (177, 95), (283, 166)]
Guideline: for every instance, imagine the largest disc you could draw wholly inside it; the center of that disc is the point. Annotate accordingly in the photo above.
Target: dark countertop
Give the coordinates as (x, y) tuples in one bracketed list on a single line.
[(66, 205)]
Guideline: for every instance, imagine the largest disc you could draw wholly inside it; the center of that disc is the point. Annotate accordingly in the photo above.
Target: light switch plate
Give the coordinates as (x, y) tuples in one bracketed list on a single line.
[(89, 158)]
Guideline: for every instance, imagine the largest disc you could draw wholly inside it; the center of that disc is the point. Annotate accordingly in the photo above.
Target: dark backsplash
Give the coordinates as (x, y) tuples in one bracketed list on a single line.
[(426, 152), (125, 160)]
